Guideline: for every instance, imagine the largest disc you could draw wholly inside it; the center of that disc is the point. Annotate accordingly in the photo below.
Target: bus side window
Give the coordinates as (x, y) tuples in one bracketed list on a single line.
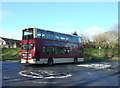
[(76, 40), (68, 38), (80, 40), (57, 36), (43, 35), (71, 39), (39, 35), (81, 51), (50, 36), (55, 50), (66, 51), (62, 37)]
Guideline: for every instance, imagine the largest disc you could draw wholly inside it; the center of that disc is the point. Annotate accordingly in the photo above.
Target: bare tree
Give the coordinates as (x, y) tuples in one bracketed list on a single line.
[(86, 40), (84, 36), (108, 39)]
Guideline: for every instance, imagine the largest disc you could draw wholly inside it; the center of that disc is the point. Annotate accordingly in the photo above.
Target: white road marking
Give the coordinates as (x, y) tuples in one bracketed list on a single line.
[(44, 74), (96, 66)]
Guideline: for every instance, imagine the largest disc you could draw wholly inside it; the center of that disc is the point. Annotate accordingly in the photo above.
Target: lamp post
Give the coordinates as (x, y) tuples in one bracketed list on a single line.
[(99, 51)]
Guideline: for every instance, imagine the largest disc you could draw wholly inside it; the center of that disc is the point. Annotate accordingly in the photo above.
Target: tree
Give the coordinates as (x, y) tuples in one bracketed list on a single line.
[(86, 40), (107, 39), (84, 36), (74, 33)]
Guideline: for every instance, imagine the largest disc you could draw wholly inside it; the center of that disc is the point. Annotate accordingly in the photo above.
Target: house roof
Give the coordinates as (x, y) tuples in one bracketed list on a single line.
[(8, 39)]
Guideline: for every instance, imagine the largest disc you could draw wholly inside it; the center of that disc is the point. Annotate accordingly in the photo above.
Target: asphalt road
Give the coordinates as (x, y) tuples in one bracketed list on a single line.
[(85, 74)]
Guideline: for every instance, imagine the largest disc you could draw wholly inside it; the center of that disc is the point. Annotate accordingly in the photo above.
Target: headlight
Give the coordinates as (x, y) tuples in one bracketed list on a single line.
[(27, 55)]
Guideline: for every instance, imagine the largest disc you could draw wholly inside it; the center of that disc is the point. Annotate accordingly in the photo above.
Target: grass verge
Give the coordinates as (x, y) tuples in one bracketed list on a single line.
[(11, 54), (93, 54), (90, 54)]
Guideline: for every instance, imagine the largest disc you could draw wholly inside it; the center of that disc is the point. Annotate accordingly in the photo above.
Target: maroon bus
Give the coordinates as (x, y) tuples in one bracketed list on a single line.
[(41, 46)]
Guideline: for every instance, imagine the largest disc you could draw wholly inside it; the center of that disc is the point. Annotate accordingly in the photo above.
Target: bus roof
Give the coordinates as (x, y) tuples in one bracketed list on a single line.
[(50, 31)]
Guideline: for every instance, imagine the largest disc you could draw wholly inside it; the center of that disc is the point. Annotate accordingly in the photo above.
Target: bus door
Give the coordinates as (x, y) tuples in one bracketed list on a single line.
[(37, 55)]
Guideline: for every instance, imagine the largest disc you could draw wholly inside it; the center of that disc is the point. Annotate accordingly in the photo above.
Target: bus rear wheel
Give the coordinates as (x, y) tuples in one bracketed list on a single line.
[(50, 61), (75, 60)]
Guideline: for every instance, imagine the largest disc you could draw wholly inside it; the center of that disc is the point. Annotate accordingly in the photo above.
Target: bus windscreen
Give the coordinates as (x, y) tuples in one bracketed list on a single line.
[(28, 34)]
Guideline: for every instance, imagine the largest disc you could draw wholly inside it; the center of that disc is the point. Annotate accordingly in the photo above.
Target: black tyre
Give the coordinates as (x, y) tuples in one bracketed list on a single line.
[(50, 61), (75, 60)]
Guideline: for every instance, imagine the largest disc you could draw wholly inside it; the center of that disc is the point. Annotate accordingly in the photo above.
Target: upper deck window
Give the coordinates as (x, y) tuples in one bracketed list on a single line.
[(45, 34), (62, 37), (57, 36), (77, 39), (69, 38), (80, 40), (28, 33)]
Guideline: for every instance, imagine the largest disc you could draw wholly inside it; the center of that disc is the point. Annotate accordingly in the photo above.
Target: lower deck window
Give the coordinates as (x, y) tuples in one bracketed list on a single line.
[(81, 51), (55, 50)]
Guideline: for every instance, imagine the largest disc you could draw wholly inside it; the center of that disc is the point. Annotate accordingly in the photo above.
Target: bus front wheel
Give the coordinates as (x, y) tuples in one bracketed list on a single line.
[(75, 60), (50, 61)]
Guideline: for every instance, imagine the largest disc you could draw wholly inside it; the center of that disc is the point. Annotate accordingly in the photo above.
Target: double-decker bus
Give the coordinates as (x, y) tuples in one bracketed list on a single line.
[(41, 46)]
